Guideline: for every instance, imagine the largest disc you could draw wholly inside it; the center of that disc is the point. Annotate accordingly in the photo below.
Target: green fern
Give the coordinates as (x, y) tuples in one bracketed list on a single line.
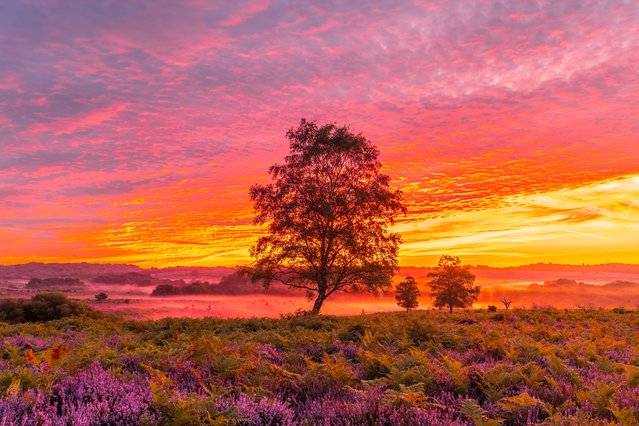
[(457, 372), (14, 388), (521, 402), (625, 416), (475, 413)]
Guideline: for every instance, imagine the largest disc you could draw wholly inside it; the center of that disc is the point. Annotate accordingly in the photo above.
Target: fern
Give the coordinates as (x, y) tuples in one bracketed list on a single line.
[(159, 384), (625, 416), (368, 339), (475, 413), (14, 388), (457, 372), (521, 402), (600, 396), (633, 376), (494, 383)]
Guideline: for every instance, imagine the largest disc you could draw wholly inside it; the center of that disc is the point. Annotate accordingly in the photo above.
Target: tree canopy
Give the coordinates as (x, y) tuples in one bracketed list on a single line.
[(407, 293), (452, 284), (328, 210)]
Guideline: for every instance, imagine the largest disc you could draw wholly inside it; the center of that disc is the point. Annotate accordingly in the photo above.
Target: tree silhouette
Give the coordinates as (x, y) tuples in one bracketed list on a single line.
[(407, 293), (101, 297), (328, 211), (506, 302), (452, 284)]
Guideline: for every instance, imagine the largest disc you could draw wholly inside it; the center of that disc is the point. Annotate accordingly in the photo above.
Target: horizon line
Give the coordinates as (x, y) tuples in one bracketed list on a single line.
[(235, 266)]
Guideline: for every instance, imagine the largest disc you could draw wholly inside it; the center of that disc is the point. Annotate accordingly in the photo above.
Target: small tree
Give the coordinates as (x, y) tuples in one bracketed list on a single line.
[(506, 302), (407, 293), (328, 210), (101, 297), (452, 284)]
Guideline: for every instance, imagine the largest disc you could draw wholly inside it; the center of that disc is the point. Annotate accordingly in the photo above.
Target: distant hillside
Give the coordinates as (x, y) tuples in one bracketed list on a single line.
[(572, 285), (567, 293), (191, 272), (53, 270), (540, 272), (232, 284), (133, 278), (617, 275), (89, 271), (62, 284)]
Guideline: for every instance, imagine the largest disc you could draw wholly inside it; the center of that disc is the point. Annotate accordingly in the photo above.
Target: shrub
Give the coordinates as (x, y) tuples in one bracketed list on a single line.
[(42, 307)]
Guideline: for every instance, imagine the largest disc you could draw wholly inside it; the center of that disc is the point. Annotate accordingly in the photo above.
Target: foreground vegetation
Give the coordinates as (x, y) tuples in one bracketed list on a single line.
[(415, 368)]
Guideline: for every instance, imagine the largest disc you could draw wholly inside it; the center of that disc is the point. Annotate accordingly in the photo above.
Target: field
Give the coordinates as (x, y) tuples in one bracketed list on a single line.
[(416, 368)]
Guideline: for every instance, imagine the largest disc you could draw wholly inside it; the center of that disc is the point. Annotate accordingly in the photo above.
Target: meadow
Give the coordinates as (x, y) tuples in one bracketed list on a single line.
[(543, 366)]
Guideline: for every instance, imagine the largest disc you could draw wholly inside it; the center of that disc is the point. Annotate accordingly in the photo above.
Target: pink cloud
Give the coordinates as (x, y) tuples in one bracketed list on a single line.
[(249, 10), (470, 103)]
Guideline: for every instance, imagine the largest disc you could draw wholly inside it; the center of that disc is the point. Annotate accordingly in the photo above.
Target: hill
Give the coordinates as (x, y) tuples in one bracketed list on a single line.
[(90, 271)]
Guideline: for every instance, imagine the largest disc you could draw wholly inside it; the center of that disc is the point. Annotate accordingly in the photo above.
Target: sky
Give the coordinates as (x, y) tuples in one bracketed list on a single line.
[(130, 132)]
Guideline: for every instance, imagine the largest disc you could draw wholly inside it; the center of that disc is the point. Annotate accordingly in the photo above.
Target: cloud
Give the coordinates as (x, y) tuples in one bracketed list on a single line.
[(471, 102)]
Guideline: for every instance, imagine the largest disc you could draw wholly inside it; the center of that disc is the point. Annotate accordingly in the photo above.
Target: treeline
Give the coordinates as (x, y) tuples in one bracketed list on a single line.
[(129, 278), (42, 307), (135, 278), (233, 284), (55, 283)]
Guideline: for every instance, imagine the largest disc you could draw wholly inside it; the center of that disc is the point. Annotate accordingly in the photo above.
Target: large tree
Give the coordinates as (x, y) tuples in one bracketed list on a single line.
[(328, 210), (452, 284)]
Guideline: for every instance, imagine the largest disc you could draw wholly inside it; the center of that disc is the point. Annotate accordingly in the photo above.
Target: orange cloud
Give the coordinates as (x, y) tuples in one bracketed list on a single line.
[(133, 133)]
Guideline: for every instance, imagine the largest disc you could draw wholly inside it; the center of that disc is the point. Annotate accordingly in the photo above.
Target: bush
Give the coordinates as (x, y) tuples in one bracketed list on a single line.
[(42, 307), (492, 308)]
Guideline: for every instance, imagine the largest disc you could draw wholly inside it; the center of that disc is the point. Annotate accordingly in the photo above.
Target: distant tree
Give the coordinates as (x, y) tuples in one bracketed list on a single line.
[(492, 308), (452, 284), (166, 290), (407, 293), (328, 209), (101, 297), (134, 278), (506, 302)]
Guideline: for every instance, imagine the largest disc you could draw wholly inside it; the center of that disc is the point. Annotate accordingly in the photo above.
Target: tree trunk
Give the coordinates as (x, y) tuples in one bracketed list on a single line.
[(318, 303), (450, 308)]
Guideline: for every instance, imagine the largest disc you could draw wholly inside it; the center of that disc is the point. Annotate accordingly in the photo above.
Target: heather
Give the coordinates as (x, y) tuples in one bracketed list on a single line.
[(406, 368)]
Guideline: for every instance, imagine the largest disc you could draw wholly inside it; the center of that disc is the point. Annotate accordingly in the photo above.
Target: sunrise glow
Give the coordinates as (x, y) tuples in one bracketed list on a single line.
[(133, 135)]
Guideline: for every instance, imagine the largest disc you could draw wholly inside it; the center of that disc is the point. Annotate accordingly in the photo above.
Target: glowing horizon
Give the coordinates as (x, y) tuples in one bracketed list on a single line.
[(132, 134)]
